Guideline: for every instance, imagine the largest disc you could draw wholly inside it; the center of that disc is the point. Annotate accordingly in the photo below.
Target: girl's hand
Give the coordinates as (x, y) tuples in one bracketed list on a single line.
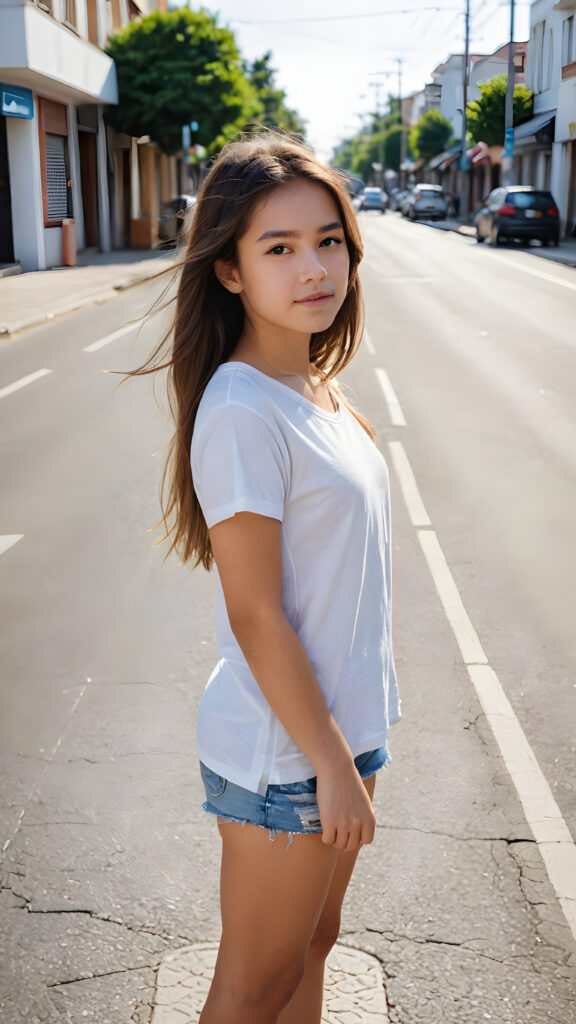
[(348, 820)]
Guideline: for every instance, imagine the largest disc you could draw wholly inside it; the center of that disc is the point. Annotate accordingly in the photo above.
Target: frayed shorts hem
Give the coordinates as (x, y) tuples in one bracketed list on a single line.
[(290, 808)]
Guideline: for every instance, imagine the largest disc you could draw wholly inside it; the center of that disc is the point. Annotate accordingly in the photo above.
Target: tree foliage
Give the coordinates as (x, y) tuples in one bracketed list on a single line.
[(430, 135), (379, 144), (176, 67), (486, 115), (272, 100)]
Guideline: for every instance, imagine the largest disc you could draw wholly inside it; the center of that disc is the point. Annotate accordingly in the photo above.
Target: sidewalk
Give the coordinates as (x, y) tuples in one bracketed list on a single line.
[(565, 253), (29, 300)]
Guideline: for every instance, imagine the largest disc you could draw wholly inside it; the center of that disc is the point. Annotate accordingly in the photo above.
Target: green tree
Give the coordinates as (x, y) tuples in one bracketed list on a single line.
[(274, 109), (430, 135), (392, 146), (176, 67), (486, 115)]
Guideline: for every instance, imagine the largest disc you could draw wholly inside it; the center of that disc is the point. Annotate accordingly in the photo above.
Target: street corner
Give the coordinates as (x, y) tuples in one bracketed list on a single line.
[(353, 989)]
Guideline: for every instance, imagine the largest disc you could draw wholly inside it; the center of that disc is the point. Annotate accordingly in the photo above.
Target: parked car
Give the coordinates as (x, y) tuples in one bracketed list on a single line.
[(176, 217), (426, 201), (373, 199), (398, 197), (520, 211)]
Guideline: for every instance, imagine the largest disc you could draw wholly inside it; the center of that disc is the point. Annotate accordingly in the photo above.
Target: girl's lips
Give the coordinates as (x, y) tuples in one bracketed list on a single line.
[(316, 299)]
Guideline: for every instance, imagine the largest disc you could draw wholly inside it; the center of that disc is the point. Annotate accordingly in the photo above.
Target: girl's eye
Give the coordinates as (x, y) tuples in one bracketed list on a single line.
[(278, 250), (328, 242)]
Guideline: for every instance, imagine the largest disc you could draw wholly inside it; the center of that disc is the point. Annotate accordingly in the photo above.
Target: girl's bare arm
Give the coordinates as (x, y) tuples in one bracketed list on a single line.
[(247, 551)]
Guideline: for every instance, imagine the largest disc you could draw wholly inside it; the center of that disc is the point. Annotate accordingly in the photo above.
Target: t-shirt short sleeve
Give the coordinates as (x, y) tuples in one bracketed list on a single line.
[(238, 464)]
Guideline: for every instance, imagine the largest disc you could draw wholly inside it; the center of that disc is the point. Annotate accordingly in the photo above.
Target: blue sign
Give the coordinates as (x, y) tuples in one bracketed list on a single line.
[(509, 146), (16, 102)]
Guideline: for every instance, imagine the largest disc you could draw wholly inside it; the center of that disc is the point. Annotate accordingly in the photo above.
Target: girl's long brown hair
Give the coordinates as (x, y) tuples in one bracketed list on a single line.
[(209, 319)]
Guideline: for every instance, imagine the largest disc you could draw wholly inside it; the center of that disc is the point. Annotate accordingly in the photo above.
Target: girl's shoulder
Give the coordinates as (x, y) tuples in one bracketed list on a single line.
[(236, 387)]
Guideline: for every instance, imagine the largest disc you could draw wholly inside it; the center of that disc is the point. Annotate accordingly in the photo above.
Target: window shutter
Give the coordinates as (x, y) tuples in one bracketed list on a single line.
[(56, 177)]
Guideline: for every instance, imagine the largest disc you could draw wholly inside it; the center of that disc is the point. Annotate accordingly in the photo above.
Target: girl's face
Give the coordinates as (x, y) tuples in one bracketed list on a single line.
[(292, 261)]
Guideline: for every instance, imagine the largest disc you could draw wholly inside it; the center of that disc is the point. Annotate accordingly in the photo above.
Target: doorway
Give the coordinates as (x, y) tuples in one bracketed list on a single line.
[(6, 238), (89, 180)]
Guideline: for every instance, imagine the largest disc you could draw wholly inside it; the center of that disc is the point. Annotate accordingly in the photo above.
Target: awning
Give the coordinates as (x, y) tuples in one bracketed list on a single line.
[(479, 154), (542, 125), (443, 160)]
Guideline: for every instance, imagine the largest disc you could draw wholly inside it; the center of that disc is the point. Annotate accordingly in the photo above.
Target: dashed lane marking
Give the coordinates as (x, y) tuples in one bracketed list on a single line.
[(110, 337), (8, 540), (394, 408), (415, 505), (22, 382)]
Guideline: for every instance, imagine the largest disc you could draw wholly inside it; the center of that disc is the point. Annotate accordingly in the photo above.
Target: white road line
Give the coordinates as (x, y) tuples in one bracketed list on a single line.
[(542, 813), (466, 635), (394, 408), (416, 511), (368, 343), (7, 540), (535, 273), (23, 382), (109, 338)]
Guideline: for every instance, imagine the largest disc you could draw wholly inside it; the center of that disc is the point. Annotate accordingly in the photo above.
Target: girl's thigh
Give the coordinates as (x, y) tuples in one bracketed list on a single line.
[(271, 898)]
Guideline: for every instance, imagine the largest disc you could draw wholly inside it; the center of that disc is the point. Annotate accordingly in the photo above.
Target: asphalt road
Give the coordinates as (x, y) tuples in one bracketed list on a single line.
[(109, 861)]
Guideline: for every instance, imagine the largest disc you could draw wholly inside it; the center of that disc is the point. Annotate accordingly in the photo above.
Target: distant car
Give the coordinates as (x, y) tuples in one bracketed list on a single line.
[(176, 216), (398, 197), (520, 211), (426, 201), (373, 199)]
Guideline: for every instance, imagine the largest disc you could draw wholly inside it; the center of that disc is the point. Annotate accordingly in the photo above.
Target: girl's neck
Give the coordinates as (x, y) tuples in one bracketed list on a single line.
[(281, 360)]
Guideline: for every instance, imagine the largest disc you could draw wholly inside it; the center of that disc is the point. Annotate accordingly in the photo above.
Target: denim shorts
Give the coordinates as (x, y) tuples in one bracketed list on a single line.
[(291, 807)]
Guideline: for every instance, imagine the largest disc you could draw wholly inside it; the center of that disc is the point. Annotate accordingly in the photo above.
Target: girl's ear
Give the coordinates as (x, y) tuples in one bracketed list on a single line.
[(228, 275)]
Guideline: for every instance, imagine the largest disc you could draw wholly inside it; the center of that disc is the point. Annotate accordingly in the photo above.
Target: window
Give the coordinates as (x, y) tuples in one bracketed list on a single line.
[(92, 18), (550, 75), (567, 40), (70, 13)]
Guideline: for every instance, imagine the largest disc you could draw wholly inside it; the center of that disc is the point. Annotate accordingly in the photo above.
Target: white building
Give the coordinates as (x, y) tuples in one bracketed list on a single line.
[(545, 147), (449, 76), (57, 160)]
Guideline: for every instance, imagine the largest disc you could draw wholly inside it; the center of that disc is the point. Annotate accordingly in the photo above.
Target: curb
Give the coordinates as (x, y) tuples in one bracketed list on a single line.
[(353, 989), (101, 295), (467, 231)]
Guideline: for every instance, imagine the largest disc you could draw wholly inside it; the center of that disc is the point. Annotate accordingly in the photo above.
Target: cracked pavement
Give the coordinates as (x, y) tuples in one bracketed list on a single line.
[(109, 863)]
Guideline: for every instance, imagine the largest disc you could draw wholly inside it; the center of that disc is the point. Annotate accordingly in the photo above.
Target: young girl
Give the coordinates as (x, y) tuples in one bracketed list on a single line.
[(288, 495)]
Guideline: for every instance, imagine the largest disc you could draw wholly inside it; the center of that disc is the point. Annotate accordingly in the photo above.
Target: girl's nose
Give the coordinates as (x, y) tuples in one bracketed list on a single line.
[(312, 269)]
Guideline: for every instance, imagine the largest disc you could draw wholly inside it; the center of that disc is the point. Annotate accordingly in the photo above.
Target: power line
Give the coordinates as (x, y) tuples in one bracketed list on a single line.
[(342, 17)]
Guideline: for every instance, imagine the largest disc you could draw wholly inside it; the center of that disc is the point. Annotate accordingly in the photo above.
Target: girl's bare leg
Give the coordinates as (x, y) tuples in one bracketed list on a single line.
[(305, 1006), (271, 899)]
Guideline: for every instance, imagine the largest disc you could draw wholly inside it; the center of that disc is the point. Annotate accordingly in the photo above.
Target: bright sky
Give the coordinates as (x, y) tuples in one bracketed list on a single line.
[(329, 53)]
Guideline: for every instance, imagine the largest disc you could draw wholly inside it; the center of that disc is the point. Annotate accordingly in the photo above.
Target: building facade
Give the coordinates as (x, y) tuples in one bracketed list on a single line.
[(545, 147), (62, 170)]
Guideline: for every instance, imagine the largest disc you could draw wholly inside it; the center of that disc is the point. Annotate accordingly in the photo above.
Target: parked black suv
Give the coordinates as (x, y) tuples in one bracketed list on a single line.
[(521, 212)]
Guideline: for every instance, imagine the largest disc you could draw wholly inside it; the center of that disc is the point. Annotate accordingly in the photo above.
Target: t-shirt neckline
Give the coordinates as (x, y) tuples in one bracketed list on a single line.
[(334, 417)]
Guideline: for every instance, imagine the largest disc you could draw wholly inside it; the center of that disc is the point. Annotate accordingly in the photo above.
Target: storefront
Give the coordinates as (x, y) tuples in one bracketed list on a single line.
[(565, 178), (14, 103)]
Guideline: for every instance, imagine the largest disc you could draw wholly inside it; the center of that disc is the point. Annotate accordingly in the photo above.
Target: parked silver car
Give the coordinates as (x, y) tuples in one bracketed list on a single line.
[(427, 202), (373, 199)]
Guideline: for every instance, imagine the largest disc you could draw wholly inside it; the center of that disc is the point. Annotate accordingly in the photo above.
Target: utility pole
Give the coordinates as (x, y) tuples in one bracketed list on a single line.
[(377, 86), (402, 133), (465, 63), (464, 162), (508, 176)]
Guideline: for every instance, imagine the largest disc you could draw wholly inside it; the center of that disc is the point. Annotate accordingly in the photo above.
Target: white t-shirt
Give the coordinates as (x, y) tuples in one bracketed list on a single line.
[(259, 446)]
